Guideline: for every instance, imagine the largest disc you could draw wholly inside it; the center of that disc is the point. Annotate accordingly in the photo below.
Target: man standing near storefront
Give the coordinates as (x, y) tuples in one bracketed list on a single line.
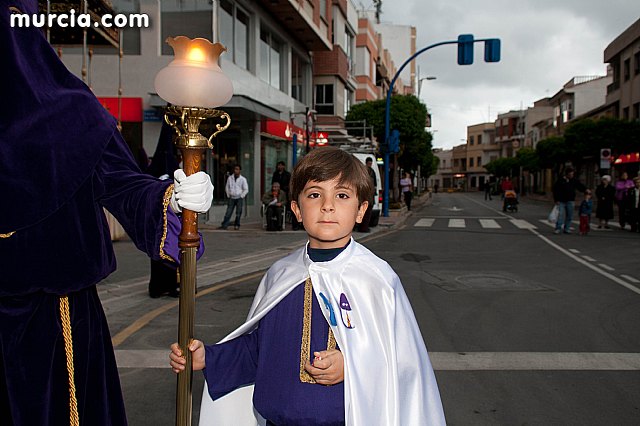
[(236, 188)]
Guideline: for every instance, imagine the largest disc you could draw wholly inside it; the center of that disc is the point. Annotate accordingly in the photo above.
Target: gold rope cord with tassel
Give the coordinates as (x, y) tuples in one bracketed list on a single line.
[(305, 347), (65, 317)]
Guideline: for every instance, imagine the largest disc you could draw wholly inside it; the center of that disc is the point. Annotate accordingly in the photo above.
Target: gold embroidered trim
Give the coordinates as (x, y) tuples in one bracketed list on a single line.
[(165, 205), (65, 319), (7, 235), (305, 347)]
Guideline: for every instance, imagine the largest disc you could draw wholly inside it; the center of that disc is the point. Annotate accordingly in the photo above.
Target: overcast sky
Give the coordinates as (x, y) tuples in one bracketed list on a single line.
[(545, 43)]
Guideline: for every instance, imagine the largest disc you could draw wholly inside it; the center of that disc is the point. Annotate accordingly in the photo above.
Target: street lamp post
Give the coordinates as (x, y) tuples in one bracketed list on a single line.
[(465, 57), (430, 77)]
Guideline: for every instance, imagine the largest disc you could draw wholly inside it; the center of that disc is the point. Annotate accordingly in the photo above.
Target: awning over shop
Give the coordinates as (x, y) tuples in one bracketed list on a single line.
[(124, 109), (627, 158), (283, 130)]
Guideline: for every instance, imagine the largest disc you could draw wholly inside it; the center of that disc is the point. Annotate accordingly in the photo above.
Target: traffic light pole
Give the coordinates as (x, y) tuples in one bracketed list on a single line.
[(465, 57)]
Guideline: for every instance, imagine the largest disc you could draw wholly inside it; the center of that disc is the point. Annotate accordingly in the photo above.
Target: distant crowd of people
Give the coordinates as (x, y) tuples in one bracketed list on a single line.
[(624, 193)]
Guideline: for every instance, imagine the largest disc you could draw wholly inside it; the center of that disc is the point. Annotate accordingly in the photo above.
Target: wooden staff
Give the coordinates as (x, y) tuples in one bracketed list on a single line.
[(188, 242)]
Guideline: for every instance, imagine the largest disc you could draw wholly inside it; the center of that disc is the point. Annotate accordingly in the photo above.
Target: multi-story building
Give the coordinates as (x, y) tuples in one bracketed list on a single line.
[(623, 55), (334, 75), (481, 149), (576, 98), (268, 60), (459, 167), (400, 41), (510, 132), (443, 178)]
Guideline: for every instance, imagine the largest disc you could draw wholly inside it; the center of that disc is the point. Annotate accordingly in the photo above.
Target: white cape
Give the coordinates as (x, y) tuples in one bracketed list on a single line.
[(388, 378)]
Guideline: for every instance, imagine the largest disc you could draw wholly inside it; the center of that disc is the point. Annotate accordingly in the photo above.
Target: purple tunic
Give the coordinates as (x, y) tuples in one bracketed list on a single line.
[(270, 358), (61, 161)]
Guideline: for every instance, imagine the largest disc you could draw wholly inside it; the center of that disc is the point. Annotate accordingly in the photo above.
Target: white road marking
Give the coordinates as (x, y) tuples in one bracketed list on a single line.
[(522, 224), (630, 278), (489, 223), (588, 258), (457, 223), (425, 223), (500, 361), (576, 251), (455, 361), (607, 267), (587, 264)]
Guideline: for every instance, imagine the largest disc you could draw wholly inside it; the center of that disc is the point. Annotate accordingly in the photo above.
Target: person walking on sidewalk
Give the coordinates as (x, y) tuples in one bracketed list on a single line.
[(622, 186), (564, 195), (236, 188), (407, 189), (585, 210), (605, 194), (633, 205)]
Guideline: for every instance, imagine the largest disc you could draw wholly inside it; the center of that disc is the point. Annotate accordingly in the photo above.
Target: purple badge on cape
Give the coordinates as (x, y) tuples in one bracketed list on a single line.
[(345, 307)]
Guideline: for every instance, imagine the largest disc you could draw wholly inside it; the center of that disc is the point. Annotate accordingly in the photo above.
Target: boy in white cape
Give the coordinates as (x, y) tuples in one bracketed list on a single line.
[(331, 338)]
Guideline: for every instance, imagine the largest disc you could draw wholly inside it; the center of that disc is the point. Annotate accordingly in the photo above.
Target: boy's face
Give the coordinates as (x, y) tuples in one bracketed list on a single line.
[(328, 213)]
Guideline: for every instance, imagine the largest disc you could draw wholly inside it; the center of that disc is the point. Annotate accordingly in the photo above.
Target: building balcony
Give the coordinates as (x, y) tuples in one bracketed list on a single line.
[(613, 87), (303, 20), (333, 62)]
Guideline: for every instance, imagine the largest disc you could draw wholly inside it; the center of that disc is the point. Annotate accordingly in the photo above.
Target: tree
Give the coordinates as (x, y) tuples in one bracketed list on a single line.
[(409, 116), (528, 159), (502, 167), (552, 152)]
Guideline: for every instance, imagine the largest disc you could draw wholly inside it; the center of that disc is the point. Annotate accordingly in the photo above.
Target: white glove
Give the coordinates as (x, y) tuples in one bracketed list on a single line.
[(193, 192)]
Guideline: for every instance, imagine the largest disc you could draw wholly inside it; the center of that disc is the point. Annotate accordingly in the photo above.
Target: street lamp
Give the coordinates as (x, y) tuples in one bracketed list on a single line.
[(431, 77), (194, 85)]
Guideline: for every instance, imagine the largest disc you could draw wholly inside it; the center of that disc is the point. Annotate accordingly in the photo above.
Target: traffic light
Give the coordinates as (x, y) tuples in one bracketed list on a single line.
[(465, 49), (492, 50)]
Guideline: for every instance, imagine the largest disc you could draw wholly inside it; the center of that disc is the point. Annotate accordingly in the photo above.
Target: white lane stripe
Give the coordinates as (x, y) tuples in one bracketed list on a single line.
[(588, 258), (607, 267), (576, 251), (489, 223), (454, 361), (457, 223), (630, 278), (587, 264), (534, 361), (522, 224), (425, 222)]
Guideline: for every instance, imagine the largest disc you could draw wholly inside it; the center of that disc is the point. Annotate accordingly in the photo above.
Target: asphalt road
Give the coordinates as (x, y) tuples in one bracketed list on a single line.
[(523, 326)]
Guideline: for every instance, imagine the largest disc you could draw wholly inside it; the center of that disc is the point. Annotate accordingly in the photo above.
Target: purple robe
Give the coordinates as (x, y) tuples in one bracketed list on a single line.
[(61, 161), (270, 358)]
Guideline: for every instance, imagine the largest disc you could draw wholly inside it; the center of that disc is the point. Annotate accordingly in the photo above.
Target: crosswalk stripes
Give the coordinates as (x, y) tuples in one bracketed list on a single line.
[(425, 222), (489, 224), (458, 223)]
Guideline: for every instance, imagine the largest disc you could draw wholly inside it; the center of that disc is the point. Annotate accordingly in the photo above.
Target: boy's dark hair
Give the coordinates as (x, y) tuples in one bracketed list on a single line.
[(324, 164), (280, 162)]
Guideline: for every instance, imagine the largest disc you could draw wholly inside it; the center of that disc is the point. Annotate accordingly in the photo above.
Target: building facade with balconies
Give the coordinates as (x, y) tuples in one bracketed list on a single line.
[(623, 55), (481, 149), (268, 60)]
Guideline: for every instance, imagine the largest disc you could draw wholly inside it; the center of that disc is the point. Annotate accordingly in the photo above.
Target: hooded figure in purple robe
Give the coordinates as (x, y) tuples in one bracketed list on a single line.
[(62, 160)]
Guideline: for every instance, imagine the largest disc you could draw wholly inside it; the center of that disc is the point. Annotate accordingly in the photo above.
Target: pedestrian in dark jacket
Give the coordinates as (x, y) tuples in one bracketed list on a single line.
[(564, 195), (605, 194)]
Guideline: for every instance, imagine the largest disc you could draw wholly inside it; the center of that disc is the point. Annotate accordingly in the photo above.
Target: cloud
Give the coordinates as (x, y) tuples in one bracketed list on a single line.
[(545, 43)]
